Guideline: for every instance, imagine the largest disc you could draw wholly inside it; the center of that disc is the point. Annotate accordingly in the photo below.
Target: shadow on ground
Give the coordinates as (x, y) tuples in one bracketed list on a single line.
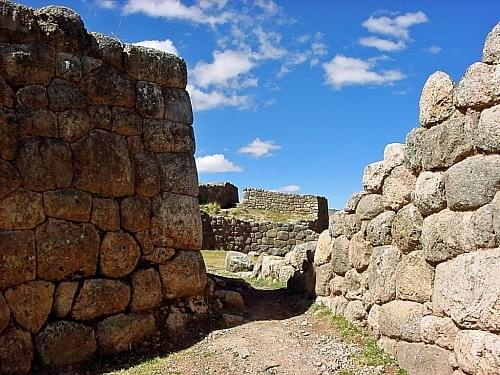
[(261, 305)]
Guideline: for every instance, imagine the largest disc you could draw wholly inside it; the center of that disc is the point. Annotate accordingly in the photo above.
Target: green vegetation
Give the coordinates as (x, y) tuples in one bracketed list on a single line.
[(345, 372), (371, 354), (264, 283), (211, 208), (402, 371), (214, 259), (244, 213)]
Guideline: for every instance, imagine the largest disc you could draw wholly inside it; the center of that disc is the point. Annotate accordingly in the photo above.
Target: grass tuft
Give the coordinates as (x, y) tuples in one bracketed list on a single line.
[(211, 208), (265, 283)]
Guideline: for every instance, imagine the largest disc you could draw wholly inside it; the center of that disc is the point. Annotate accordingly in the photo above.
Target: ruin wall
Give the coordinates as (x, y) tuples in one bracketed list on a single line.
[(415, 257), (99, 217), (224, 194)]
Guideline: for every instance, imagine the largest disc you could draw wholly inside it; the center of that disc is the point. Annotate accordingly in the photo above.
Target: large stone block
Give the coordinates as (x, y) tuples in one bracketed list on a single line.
[(119, 254), (323, 253), (150, 64), (382, 273), (10, 179), (18, 24), (62, 343), (33, 96), (394, 155), (64, 95), (126, 121), (73, 124), (102, 165), (147, 174), (150, 103), (68, 204), (407, 228), (378, 231), (100, 297), (27, 64), (373, 176), (106, 214), (360, 251), (184, 275), (4, 313), (343, 223), (135, 213), (398, 187), (17, 258), (22, 209), (422, 359), (353, 201), (167, 136), (324, 274), (44, 164), (37, 122), (355, 284), (414, 278), (120, 332), (106, 48), (414, 149), (429, 195), (471, 300), (31, 303), (486, 135), (439, 331), (178, 106), (146, 290), (370, 206), (176, 221), (107, 85), (478, 352), (436, 101), (174, 165), (472, 182), (8, 134), (66, 250), (401, 320), (479, 87), (491, 50), (16, 351), (340, 255)]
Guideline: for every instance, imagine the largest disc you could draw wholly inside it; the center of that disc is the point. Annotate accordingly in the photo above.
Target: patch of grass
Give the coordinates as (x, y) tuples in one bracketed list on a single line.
[(211, 208), (214, 259), (252, 213), (264, 283), (345, 372), (371, 354), (402, 371)]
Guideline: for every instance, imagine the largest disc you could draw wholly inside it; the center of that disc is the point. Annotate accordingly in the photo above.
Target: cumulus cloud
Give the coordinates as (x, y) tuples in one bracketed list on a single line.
[(349, 71), (201, 12), (216, 163), (382, 44), (288, 189), (397, 26), (258, 148), (206, 100), (163, 45)]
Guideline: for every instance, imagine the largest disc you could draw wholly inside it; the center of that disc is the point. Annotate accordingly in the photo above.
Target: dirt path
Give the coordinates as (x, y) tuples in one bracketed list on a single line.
[(280, 335)]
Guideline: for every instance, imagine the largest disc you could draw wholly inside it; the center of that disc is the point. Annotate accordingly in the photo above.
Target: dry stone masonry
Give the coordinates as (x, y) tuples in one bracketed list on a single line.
[(99, 217), (224, 194), (415, 257)]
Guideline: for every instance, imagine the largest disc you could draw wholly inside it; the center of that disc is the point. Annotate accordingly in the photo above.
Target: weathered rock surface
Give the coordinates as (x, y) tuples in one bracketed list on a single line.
[(353, 201), (355, 284), (147, 174), (360, 251), (439, 331), (324, 274), (135, 213), (436, 101), (378, 231), (355, 312), (397, 188), (394, 155), (63, 298), (342, 223), (382, 273), (120, 332), (370, 206), (491, 50), (479, 87), (471, 300), (100, 297), (17, 258), (407, 228), (66, 250), (184, 275), (16, 351), (166, 136), (373, 176), (340, 255), (486, 135), (478, 352), (22, 209), (173, 165), (323, 253), (237, 262), (62, 343), (429, 195), (68, 204), (414, 278), (106, 214), (414, 149), (146, 290), (401, 320), (119, 254)]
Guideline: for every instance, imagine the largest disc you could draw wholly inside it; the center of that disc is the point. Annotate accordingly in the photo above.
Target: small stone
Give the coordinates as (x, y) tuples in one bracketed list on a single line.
[(146, 290), (135, 213), (100, 117), (342, 223), (436, 101), (16, 351), (69, 67), (355, 312), (68, 204), (106, 214), (22, 209), (184, 275), (31, 303), (401, 320), (63, 298), (63, 343), (100, 297), (237, 262), (119, 254)]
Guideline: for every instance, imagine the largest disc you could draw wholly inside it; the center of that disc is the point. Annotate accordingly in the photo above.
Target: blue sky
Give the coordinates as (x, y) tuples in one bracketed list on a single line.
[(300, 95)]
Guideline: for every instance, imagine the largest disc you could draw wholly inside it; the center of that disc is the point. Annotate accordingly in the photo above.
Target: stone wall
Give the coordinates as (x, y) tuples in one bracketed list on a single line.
[(99, 215), (307, 205), (415, 257), (225, 194), (220, 232)]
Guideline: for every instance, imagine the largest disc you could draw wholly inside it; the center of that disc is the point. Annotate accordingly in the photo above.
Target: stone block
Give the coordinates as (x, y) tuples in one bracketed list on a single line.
[(106, 48), (373, 176), (106, 214), (150, 103), (429, 195), (167, 136), (146, 290), (324, 247), (486, 136), (370, 206), (10, 179), (355, 312), (382, 273), (27, 64), (423, 359), (479, 87), (64, 95), (6, 94), (401, 320), (398, 187), (439, 331), (478, 352), (68, 204), (8, 134), (360, 251), (22, 209), (37, 122), (33, 96), (378, 231), (16, 351), (119, 254), (126, 121), (436, 101), (172, 166), (407, 229), (66, 250), (340, 255), (18, 24), (353, 201), (69, 67), (178, 106), (324, 274), (63, 298), (17, 258), (135, 213), (491, 50), (414, 278)]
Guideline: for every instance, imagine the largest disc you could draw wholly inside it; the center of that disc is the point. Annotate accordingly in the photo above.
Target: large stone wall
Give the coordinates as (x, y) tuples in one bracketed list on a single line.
[(220, 232), (309, 206), (99, 216), (225, 194), (415, 257)]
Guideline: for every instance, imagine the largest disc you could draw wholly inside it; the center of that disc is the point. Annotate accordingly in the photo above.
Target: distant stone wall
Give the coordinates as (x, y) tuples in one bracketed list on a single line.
[(307, 205), (415, 257), (225, 194), (233, 234), (99, 216)]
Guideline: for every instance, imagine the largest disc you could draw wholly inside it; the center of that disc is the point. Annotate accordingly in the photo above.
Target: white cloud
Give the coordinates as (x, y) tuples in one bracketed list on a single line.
[(226, 65), (216, 163), (397, 26), (203, 101), (319, 49), (175, 9), (349, 71), (258, 148), (382, 44), (289, 189), (434, 49), (163, 45), (106, 4), (269, 45), (269, 6)]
